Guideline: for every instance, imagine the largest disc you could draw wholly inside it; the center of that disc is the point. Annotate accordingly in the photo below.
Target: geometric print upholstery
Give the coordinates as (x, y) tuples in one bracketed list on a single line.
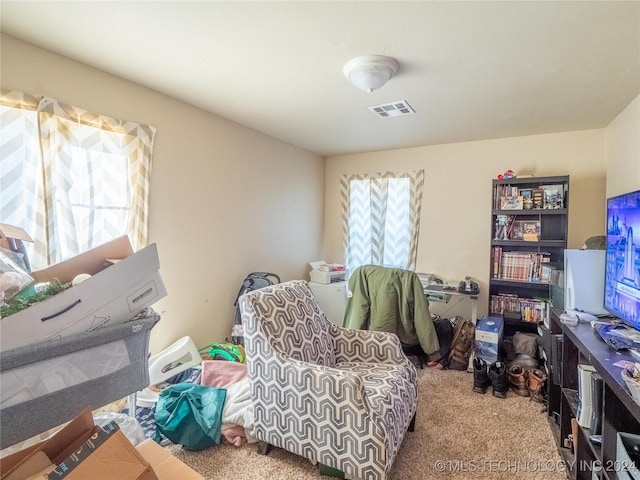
[(292, 324), (344, 398)]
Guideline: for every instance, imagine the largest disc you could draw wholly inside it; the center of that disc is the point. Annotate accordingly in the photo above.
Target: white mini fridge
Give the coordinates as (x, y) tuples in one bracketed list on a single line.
[(332, 298)]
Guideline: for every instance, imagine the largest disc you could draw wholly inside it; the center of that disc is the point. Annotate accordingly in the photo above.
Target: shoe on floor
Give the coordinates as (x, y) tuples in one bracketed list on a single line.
[(498, 377), (518, 377), (480, 376), (535, 384)]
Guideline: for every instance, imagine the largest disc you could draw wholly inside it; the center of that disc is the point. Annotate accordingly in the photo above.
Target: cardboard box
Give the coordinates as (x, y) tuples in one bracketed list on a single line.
[(165, 465), (488, 337), (116, 292), (27, 462), (80, 451)]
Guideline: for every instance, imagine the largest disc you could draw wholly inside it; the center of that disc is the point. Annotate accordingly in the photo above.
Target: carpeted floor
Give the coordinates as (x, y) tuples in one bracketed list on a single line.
[(459, 435)]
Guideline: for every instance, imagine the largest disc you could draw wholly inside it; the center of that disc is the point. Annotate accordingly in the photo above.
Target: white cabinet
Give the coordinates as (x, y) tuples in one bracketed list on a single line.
[(332, 299)]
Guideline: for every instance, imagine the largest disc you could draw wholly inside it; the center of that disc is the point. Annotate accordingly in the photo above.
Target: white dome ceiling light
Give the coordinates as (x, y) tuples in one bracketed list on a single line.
[(370, 72)]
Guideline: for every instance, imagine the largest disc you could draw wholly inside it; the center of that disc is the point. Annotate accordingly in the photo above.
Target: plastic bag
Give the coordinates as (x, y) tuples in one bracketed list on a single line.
[(190, 415), (129, 425), (12, 277)]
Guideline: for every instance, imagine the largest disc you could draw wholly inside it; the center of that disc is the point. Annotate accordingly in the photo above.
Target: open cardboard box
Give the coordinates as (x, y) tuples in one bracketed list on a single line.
[(82, 450), (123, 283)]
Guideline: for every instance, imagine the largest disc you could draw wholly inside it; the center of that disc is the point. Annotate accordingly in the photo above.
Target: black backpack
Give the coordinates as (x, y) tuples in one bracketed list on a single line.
[(253, 281)]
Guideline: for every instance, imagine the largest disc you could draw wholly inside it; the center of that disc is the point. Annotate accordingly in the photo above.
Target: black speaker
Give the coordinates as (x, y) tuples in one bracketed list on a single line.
[(556, 359), (595, 427)]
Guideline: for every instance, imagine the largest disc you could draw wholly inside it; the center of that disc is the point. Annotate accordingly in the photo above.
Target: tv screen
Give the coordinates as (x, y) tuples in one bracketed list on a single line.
[(622, 269)]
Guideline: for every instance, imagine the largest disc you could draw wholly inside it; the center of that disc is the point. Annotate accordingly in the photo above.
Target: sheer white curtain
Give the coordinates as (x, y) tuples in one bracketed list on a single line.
[(70, 178), (381, 218)]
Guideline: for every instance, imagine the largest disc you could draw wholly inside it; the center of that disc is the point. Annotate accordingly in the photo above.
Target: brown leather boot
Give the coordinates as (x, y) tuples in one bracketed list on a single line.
[(535, 384), (518, 378)]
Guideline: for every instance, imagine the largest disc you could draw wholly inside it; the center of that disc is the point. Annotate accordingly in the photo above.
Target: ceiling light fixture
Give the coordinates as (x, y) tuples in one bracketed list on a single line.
[(370, 72)]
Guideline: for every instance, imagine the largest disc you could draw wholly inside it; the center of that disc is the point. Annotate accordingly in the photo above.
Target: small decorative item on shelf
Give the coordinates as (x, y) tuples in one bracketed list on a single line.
[(508, 174), (531, 230), (553, 197), (511, 203), (631, 376), (537, 199), (502, 225), (527, 198)]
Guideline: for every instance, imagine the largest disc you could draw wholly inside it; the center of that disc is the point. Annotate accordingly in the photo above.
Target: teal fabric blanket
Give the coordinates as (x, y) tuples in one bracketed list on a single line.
[(391, 300), (190, 415)]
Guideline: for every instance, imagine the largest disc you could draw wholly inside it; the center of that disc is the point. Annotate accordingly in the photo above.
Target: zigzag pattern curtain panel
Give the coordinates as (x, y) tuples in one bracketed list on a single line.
[(381, 218), (91, 176)]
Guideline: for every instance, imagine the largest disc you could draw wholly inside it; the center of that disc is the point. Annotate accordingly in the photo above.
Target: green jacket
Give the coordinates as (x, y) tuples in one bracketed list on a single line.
[(391, 300)]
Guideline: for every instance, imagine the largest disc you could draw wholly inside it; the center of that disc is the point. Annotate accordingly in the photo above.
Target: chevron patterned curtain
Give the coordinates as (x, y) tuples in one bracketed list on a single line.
[(92, 177), (381, 218)]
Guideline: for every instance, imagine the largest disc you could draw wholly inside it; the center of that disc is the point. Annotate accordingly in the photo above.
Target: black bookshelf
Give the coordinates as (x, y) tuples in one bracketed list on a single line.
[(512, 285)]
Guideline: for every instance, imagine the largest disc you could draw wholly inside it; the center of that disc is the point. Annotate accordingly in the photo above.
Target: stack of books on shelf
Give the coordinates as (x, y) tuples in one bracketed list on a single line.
[(520, 266), (534, 310)]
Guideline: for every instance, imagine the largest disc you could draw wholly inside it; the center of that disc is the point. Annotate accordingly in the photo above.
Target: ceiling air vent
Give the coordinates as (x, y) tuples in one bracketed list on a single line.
[(393, 109)]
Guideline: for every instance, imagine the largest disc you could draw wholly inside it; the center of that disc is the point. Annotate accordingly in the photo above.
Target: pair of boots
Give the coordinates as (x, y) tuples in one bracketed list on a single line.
[(527, 382), (494, 375)]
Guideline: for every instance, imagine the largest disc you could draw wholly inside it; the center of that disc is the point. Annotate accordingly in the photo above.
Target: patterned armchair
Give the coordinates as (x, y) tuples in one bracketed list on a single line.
[(342, 398)]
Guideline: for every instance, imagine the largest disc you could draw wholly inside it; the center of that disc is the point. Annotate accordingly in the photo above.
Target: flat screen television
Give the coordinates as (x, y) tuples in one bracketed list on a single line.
[(622, 268)]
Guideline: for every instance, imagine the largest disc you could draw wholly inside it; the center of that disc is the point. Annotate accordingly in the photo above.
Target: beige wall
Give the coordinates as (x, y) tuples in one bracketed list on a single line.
[(225, 200), (455, 227), (623, 151)]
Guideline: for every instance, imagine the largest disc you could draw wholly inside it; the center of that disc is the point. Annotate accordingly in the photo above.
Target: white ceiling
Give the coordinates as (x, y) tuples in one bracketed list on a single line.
[(471, 70)]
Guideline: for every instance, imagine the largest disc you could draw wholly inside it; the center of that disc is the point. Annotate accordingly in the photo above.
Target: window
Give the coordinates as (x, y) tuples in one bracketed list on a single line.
[(71, 179), (381, 215)]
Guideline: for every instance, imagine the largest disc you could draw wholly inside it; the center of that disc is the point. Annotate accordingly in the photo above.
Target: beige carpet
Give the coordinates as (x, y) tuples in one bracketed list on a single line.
[(459, 435)]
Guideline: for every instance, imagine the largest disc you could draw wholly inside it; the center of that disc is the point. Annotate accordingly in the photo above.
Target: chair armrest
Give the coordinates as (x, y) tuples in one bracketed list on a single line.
[(367, 346), (294, 378)]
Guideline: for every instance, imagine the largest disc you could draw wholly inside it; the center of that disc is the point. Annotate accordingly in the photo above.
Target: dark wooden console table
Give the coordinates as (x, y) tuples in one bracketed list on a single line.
[(582, 345)]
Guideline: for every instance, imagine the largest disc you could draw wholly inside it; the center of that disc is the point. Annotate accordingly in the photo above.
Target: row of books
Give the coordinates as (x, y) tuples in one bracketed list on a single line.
[(533, 310), (509, 197), (520, 266)]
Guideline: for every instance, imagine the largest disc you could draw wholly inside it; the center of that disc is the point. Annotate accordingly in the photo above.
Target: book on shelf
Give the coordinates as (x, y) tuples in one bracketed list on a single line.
[(522, 266), (496, 256), (553, 196), (504, 302), (533, 310)]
